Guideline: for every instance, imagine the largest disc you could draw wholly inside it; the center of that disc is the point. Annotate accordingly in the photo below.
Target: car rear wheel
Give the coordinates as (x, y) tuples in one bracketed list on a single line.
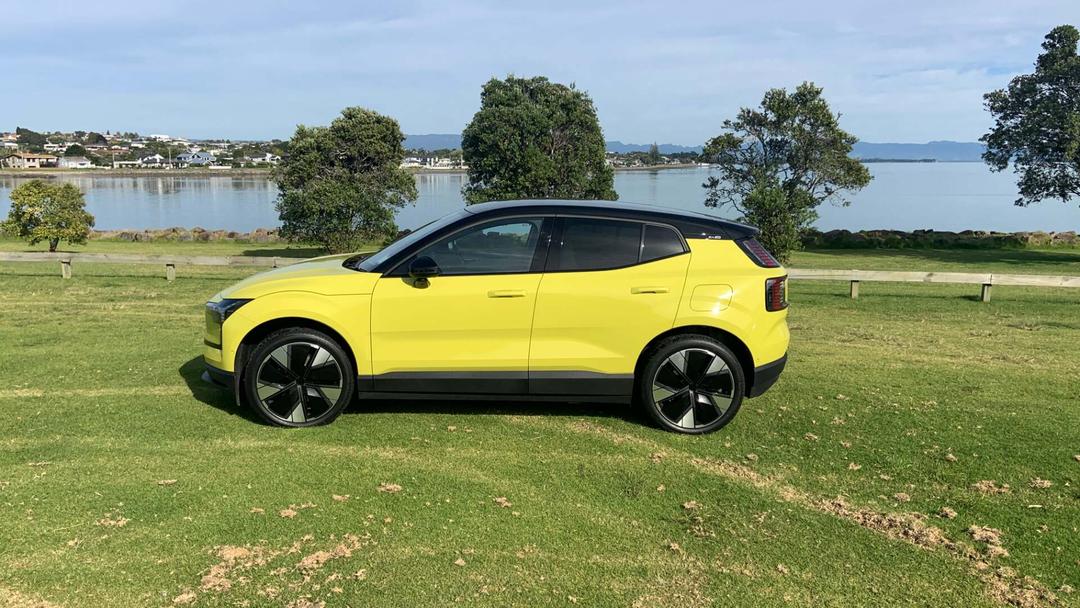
[(692, 384), (298, 377)]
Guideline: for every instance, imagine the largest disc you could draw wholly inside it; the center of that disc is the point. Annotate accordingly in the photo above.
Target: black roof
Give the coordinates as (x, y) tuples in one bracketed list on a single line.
[(691, 223)]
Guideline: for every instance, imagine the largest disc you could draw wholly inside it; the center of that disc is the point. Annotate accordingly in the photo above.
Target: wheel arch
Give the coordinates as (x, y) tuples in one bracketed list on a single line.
[(728, 339), (257, 333)]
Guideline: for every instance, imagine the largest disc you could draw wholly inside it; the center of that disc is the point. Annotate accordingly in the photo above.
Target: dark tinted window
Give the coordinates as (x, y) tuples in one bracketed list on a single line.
[(596, 244), (660, 242), (501, 247)]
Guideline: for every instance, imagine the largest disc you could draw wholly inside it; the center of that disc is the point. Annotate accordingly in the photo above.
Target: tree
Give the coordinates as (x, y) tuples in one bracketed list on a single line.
[(48, 212), (96, 139), (32, 140), (654, 154), (75, 150), (1037, 123), (341, 185), (777, 163), (533, 138)]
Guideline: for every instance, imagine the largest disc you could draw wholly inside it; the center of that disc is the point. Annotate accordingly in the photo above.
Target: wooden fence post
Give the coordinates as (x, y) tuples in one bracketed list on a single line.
[(985, 295), (170, 272), (854, 290), (65, 268)]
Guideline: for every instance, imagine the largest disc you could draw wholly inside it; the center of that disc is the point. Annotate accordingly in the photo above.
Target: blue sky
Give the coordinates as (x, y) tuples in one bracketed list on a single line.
[(658, 71)]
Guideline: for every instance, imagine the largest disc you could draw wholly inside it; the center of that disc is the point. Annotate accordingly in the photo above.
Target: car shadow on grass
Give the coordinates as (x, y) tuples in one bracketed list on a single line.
[(221, 398), (211, 394)]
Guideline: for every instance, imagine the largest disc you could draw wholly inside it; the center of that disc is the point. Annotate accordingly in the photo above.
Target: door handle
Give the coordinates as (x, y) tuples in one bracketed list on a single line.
[(506, 293), (649, 289)]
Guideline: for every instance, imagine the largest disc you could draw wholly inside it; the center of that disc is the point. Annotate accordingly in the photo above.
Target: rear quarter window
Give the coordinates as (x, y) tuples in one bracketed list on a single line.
[(660, 242)]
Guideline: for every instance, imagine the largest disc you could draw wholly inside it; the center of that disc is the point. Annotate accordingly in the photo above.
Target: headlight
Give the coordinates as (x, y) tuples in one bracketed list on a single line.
[(216, 313)]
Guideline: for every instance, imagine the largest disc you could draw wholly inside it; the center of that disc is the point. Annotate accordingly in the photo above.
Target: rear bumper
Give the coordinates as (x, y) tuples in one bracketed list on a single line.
[(766, 376), (218, 377)]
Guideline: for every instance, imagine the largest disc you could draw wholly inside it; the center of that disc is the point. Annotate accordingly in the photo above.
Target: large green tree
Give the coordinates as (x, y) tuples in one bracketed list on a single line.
[(775, 164), (534, 138), (41, 211), (1037, 123), (341, 185)]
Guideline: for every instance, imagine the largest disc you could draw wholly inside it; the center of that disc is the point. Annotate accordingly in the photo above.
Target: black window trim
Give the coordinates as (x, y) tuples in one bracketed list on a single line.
[(539, 261), (556, 241)]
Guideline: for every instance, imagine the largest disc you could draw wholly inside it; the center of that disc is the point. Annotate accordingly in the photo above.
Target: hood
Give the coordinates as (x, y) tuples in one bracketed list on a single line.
[(323, 275)]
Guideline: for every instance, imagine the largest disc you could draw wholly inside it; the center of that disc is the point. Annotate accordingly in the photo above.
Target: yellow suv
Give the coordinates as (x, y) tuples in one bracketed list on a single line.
[(560, 300)]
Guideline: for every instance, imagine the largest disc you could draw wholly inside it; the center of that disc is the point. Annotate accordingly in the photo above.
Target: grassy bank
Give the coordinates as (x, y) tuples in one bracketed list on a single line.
[(125, 481)]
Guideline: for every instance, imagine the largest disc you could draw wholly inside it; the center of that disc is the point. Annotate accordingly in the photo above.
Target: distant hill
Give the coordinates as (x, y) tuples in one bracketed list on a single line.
[(935, 150), (433, 141), (621, 148)]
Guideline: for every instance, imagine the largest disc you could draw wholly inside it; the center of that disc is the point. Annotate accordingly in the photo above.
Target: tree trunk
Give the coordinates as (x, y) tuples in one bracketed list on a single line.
[(53, 243)]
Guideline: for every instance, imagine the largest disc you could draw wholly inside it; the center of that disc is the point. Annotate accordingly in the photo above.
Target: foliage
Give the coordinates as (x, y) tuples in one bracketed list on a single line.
[(96, 139), (341, 185), (783, 158), (534, 138), (48, 212), (781, 221), (32, 140), (654, 154), (75, 150), (1037, 123)]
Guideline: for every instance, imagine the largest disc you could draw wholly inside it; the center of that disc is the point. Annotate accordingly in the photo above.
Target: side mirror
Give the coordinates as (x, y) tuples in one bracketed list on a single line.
[(423, 267)]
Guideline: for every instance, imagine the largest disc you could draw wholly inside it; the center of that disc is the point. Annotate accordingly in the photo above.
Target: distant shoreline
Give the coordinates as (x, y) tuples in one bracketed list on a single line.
[(103, 172)]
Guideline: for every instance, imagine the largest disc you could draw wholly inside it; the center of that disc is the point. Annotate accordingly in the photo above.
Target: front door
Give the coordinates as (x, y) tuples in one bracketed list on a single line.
[(610, 287), (467, 329)]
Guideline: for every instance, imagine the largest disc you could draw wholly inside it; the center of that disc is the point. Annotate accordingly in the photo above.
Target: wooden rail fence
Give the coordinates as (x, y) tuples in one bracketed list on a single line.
[(986, 280)]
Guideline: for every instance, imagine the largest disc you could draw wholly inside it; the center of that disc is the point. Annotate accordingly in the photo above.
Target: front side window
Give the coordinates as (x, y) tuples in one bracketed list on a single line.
[(502, 247)]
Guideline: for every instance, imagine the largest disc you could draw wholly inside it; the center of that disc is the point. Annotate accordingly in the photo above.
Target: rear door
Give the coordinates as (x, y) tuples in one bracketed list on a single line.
[(609, 287)]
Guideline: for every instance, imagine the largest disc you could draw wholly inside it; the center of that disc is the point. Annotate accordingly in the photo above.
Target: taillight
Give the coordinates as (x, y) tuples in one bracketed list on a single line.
[(757, 252), (776, 294)]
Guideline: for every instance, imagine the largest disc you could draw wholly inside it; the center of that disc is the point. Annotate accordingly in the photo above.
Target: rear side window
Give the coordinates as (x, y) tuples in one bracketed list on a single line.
[(660, 242), (596, 244)]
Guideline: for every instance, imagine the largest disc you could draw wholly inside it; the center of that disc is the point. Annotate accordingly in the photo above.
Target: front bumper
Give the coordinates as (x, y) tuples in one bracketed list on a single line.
[(766, 376), (219, 377)]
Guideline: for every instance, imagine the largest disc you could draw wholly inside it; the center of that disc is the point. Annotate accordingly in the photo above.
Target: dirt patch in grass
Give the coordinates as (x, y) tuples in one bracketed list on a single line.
[(9, 598), (242, 566)]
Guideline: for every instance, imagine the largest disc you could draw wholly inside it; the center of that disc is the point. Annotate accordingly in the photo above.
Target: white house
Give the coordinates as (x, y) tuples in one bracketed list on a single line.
[(155, 160), (75, 162), (195, 158), (267, 158)]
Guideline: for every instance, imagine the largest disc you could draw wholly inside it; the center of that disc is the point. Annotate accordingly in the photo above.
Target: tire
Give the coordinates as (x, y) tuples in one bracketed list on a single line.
[(692, 384), (298, 377)]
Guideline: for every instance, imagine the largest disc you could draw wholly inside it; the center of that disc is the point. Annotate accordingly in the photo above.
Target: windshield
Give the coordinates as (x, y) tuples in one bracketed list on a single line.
[(371, 262)]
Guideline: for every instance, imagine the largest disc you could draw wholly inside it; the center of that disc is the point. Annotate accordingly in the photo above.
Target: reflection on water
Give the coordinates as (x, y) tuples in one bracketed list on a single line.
[(902, 196)]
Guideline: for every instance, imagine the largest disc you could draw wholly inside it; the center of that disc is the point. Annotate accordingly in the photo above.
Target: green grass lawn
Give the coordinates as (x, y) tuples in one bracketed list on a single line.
[(125, 481)]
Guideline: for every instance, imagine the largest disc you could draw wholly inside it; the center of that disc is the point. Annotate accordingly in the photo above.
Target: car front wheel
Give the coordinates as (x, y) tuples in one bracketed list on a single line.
[(692, 384), (298, 377)]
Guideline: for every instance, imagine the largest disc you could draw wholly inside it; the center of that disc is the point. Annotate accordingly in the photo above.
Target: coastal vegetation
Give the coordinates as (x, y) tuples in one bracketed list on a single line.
[(41, 211), (777, 163), (1037, 123), (533, 138), (341, 185), (126, 480)]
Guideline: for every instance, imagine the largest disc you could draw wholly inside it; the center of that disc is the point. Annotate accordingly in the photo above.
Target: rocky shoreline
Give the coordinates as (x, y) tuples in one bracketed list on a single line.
[(936, 239)]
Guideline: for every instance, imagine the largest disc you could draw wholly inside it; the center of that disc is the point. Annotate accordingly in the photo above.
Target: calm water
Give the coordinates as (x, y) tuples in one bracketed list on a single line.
[(902, 196)]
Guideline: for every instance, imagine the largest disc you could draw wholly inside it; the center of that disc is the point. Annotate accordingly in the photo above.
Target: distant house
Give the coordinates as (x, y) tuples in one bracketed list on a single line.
[(126, 164), (267, 158), (75, 162), (10, 145), (28, 160), (198, 159), (155, 160), (55, 147)]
